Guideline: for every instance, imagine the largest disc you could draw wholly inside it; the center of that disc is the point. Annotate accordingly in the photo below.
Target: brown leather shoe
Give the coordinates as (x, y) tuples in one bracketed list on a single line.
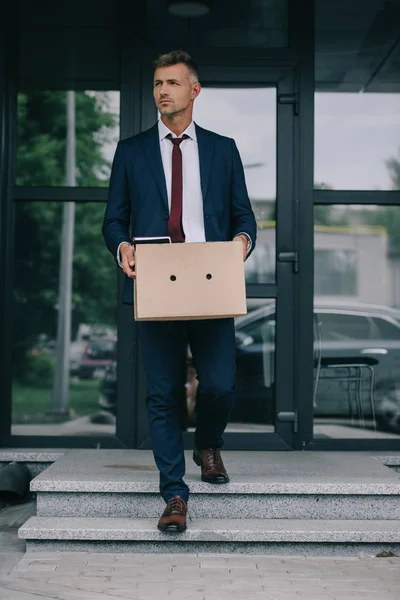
[(212, 467), (173, 519)]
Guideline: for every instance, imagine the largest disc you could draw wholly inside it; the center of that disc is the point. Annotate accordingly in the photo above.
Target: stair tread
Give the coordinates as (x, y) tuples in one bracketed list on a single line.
[(235, 530), (134, 471)]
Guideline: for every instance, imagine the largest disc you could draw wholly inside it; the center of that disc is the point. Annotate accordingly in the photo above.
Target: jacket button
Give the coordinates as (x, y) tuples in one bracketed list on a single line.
[(166, 217)]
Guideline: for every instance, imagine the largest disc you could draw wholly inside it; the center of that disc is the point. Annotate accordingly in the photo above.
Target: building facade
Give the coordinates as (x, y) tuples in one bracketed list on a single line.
[(310, 92)]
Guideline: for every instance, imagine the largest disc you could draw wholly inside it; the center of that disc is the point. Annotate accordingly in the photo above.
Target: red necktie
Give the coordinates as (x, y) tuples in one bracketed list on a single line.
[(175, 229)]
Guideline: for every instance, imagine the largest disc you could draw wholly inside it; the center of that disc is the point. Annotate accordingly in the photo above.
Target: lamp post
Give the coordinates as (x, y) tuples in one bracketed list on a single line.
[(60, 399)]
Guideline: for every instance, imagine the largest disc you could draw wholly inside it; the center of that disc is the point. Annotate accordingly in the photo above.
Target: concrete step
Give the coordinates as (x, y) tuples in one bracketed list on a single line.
[(278, 485), (221, 505), (274, 536)]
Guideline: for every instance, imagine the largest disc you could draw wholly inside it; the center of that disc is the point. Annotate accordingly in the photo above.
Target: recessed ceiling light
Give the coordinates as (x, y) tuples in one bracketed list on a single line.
[(188, 9)]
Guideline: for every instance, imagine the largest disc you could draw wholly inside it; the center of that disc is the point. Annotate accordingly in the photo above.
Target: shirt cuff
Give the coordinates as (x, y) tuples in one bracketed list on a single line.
[(118, 254), (250, 245)]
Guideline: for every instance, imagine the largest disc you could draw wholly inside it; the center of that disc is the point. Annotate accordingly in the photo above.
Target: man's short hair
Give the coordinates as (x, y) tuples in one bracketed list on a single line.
[(176, 57)]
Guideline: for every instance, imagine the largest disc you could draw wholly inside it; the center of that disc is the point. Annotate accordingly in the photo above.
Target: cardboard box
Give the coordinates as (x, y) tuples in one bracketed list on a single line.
[(189, 281)]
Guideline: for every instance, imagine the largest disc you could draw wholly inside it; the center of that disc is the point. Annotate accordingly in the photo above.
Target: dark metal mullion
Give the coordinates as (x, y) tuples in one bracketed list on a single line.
[(284, 345), (60, 194), (129, 413), (304, 166), (8, 115), (367, 197)]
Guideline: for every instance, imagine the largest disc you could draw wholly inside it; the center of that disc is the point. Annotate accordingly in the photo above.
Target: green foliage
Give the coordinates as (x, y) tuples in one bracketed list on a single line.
[(37, 370), (42, 129), (41, 152)]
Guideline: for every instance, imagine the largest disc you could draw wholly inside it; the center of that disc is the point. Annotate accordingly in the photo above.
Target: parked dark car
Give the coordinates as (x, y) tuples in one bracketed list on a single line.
[(347, 330), (97, 356)]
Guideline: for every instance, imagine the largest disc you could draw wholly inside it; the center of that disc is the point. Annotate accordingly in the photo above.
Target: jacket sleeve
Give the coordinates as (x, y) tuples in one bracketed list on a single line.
[(242, 215), (117, 215)]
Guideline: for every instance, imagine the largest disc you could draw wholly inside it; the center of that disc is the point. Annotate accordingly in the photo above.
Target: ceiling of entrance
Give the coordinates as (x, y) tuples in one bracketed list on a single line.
[(358, 45), (77, 42)]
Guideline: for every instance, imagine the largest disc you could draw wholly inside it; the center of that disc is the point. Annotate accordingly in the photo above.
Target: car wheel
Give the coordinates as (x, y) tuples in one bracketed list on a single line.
[(387, 402)]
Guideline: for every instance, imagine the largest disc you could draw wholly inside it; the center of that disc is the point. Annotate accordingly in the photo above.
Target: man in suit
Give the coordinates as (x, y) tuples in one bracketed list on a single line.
[(180, 180)]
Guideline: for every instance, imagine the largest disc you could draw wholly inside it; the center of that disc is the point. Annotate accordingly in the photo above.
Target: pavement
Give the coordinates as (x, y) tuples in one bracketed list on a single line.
[(101, 576), (92, 576)]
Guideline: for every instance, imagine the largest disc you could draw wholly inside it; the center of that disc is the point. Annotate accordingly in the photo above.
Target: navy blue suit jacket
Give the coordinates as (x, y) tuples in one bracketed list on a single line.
[(137, 202)]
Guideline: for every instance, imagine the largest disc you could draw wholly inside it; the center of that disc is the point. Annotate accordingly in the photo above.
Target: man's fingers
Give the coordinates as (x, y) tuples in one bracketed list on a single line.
[(128, 262)]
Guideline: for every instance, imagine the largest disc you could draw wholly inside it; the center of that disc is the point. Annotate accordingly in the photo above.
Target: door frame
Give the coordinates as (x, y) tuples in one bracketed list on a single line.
[(285, 76)]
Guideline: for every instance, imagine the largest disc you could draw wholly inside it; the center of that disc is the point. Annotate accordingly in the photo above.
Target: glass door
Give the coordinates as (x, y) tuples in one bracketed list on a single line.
[(257, 107)]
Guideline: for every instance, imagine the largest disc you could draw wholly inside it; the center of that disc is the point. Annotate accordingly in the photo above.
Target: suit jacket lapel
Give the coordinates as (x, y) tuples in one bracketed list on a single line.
[(151, 149), (205, 143)]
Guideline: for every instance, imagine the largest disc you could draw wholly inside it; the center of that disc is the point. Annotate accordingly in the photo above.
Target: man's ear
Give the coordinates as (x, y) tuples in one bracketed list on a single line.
[(196, 90)]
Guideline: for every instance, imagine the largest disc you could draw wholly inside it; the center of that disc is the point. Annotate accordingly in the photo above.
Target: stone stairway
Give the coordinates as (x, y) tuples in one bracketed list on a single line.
[(298, 503)]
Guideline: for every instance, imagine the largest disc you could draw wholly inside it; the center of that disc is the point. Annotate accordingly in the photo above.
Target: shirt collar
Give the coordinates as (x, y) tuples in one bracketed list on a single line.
[(163, 131)]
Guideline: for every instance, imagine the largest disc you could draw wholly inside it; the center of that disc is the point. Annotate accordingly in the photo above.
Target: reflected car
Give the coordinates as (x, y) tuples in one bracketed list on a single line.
[(347, 330), (97, 356)]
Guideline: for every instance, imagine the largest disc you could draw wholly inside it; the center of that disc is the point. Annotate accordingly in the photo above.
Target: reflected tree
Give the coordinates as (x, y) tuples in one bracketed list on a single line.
[(41, 147)]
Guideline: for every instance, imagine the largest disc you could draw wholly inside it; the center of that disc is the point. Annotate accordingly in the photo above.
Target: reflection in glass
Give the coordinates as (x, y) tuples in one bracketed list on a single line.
[(92, 350), (248, 115), (357, 141), (41, 137), (357, 322), (254, 407)]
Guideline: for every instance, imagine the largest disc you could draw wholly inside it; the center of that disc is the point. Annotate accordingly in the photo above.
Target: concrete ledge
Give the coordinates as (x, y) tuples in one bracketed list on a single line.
[(30, 455), (217, 530)]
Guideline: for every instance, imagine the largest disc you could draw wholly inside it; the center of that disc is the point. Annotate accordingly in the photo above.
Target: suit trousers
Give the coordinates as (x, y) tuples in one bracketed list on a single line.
[(163, 346)]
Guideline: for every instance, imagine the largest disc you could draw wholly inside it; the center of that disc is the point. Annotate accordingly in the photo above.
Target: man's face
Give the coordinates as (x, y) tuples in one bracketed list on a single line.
[(174, 90)]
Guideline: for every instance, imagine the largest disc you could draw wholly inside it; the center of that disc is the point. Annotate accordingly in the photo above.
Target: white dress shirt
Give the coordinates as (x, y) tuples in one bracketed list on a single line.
[(192, 197)]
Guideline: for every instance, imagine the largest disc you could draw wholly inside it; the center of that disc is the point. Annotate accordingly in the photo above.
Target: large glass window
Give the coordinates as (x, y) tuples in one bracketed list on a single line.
[(88, 357), (357, 333), (357, 141), (249, 116), (357, 116), (335, 272)]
